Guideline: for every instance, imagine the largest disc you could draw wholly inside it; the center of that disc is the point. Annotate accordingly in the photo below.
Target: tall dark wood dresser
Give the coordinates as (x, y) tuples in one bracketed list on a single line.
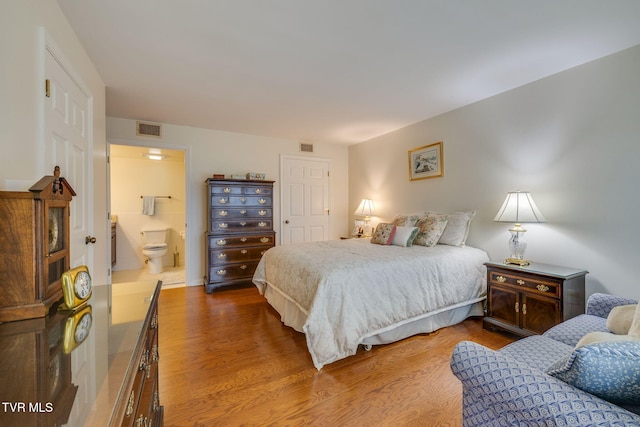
[(239, 231)]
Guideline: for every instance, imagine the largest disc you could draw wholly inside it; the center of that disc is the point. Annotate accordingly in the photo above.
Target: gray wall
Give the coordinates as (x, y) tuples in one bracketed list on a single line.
[(571, 139)]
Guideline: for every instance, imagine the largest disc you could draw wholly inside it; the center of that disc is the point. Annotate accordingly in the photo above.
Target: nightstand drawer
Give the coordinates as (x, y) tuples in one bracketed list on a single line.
[(548, 287)]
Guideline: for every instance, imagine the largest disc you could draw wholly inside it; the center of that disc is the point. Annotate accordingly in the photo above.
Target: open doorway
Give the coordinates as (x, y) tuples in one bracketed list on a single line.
[(148, 214)]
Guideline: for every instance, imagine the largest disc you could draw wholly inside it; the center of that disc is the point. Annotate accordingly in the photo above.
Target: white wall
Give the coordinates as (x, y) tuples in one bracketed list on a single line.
[(572, 139), (22, 26), (210, 151), (132, 178)]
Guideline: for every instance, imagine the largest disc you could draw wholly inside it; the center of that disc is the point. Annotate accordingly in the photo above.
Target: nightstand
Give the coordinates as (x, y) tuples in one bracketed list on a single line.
[(529, 300)]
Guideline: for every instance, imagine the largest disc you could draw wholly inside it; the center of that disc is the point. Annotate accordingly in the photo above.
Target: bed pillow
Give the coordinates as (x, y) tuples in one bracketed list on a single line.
[(610, 370), (404, 236), (405, 220), (457, 229), (430, 229), (383, 234)]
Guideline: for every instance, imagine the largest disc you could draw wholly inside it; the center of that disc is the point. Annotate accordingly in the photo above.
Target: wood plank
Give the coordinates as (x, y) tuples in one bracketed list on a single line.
[(226, 359)]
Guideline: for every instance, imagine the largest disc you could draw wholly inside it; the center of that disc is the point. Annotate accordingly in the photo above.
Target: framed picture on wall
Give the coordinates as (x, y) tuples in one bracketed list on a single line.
[(426, 162)]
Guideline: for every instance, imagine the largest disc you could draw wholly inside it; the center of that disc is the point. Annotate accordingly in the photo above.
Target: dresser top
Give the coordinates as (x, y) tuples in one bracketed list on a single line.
[(238, 181), (543, 269), (98, 365)]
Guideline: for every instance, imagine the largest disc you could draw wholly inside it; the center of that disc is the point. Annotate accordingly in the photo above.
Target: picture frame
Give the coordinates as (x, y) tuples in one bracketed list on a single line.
[(426, 162)]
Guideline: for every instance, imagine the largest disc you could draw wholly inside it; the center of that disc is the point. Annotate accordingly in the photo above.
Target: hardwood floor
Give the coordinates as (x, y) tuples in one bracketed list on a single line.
[(227, 360)]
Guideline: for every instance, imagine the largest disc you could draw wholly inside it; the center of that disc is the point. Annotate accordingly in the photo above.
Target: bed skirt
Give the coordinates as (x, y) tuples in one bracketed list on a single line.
[(293, 316)]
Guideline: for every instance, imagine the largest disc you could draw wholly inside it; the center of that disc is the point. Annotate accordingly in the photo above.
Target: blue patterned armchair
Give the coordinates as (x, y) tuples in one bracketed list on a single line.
[(511, 386)]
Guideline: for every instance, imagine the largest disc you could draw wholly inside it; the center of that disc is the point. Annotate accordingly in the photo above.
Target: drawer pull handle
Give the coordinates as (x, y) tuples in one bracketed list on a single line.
[(262, 201), (501, 279), (154, 321), (222, 256), (244, 239), (224, 213), (264, 239), (243, 252), (543, 288), (155, 356), (243, 223), (517, 308), (221, 242), (223, 225), (258, 190), (226, 190), (221, 272), (243, 267), (156, 401), (524, 309), (243, 211), (262, 213), (262, 224), (520, 282), (143, 361), (132, 400), (222, 201), (142, 421), (244, 199)]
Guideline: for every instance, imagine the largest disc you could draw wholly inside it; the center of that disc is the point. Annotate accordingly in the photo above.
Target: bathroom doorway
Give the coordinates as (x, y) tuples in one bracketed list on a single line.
[(147, 192)]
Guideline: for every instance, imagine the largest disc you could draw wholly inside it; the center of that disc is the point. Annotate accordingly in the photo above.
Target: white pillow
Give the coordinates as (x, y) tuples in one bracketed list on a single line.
[(404, 236), (457, 229)]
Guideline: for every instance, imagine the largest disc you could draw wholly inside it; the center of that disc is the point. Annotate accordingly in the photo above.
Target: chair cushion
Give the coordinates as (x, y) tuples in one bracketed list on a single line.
[(571, 331), (537, 351)]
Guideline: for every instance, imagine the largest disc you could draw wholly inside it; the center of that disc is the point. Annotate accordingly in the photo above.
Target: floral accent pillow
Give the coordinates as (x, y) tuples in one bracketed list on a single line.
[(403, 220), (383, 235), (430, 229)]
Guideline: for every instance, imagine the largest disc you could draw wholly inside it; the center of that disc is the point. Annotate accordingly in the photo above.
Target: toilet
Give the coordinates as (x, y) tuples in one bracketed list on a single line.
[(154, 248)]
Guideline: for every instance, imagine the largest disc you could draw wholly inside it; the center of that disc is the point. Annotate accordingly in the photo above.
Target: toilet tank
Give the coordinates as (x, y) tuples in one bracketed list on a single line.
[(154, 235)]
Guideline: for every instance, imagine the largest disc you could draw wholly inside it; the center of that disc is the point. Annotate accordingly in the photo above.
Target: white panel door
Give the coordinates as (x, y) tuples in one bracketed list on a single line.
[(304, 190), (67, 144)]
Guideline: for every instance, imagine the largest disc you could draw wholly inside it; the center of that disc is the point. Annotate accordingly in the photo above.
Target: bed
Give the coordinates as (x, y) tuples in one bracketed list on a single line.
[(343, 293)]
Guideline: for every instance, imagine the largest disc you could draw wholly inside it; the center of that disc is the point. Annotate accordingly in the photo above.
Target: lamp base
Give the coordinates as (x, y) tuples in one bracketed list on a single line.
[(517, 261)]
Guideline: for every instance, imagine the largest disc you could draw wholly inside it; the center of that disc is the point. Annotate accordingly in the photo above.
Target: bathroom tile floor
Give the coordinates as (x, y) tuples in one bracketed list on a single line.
[(170, 276)]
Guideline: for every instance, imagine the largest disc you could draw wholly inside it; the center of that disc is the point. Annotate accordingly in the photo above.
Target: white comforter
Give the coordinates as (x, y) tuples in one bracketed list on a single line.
[(352, 289)]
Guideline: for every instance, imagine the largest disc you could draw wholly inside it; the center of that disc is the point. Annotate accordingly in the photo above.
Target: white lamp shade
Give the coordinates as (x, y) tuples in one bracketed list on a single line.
[(365, 208), (519, 207)]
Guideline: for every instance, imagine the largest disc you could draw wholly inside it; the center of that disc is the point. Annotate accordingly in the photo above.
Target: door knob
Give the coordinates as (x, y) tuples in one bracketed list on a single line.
[(89, 239), (286, 222)]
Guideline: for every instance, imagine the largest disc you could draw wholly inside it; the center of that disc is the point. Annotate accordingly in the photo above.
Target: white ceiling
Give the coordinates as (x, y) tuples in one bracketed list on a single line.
[(341, 71)]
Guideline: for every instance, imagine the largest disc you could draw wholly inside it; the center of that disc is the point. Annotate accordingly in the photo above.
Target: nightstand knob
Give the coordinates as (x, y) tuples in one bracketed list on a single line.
[(227, 190), (222, 201), (221, 242), (222, 256), (520, 282), (258, 190), (221, 272), (243, 252), (224, 213), (543, 288), (264, 239), (501, 279)]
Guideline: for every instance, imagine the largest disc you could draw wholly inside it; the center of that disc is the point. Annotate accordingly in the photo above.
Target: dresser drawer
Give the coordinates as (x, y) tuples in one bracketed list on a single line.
[(245, 189), (243, 270), (241, 213), (242, 225), (240, 201), (224, 241), (549, 287), (231, 255)]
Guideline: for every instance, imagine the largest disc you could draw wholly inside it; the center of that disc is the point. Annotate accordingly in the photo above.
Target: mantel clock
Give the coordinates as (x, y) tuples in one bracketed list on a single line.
[(34, 249)]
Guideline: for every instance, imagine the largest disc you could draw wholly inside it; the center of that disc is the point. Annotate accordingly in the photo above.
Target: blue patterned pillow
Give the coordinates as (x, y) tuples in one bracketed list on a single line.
[(610, 370)]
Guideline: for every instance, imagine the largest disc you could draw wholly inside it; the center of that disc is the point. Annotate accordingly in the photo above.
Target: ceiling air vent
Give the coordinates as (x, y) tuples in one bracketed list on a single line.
[(305, 147), (148, 129)]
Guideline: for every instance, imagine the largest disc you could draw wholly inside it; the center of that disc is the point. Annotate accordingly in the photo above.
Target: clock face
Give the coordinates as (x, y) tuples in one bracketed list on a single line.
[(82, 330), (56, 231), (82, 285)]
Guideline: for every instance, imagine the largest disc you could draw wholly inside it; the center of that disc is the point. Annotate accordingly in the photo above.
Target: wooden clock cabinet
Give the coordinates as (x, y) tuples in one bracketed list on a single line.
[(529, 300), (239, 229), (34, 248)]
